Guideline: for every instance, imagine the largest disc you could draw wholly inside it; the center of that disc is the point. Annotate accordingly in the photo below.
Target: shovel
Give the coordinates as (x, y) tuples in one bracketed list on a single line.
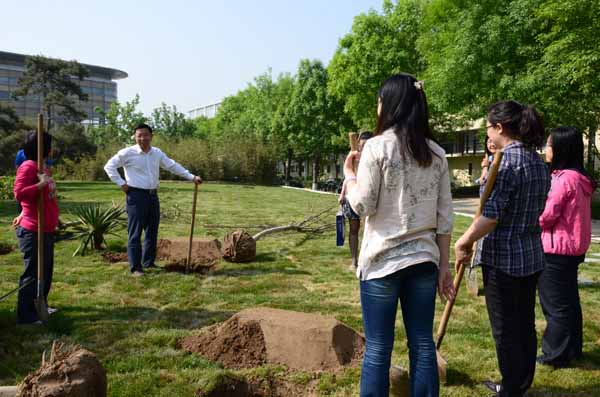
[(41, 306), (489, 185), (188, 264)]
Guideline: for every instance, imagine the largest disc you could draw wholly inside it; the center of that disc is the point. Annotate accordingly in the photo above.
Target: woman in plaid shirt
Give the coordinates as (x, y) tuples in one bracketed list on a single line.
[(512, 254)]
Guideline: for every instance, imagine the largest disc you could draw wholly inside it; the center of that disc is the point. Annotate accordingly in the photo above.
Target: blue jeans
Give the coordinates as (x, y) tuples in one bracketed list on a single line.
[(415, 287), (143, 214), (26, 312)]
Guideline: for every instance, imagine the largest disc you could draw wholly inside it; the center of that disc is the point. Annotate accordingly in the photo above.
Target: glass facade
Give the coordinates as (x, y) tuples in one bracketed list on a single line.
[(99, 86)]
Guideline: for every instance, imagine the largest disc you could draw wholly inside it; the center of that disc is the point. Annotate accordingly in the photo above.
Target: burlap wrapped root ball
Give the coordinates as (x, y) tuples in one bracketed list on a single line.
[(239, 246)]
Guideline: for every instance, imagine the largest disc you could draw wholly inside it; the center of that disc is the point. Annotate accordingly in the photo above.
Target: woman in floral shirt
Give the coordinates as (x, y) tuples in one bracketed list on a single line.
[(402, 187)]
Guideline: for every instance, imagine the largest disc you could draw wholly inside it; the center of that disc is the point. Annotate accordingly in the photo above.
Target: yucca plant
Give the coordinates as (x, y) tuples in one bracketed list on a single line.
[(93, 223)]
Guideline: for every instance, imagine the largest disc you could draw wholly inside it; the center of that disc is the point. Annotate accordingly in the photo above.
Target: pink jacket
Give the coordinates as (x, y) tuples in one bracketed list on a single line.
[(567, 218), (27, 193)]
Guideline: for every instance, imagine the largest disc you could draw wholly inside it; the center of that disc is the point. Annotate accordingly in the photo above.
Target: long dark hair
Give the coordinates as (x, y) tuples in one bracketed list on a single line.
[(567, 150), (404, 109), (521, 121), (31, 144)]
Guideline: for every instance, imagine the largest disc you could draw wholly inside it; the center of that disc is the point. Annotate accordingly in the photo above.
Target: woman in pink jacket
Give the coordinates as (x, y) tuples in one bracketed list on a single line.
[(30, 185), (566, 235)]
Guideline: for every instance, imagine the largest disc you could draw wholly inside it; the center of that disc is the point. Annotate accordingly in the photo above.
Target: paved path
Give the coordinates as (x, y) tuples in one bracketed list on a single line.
[(468, 206)]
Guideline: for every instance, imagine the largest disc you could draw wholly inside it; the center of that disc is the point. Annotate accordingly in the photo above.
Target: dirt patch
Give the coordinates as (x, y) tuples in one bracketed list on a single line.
[(239, 246), (73, 372), (235, 387), (115, 257), (234, 344), (6, 248), (300, 341), (205, 254)]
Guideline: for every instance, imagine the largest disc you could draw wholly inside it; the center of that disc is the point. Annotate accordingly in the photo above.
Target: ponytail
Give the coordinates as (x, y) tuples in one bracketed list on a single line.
[(531, 127), (522, 122)]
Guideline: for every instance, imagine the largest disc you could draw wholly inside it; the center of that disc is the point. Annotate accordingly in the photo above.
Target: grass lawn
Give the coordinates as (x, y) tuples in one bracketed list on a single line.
[(133, 325)]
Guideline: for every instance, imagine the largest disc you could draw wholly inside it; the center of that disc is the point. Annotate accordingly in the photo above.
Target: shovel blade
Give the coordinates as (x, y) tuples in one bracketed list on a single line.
[(42, 309), (442, 364)]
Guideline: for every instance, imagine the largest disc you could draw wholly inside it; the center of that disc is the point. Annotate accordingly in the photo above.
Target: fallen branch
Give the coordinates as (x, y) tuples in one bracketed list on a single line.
[(217, 226), (313, 224)]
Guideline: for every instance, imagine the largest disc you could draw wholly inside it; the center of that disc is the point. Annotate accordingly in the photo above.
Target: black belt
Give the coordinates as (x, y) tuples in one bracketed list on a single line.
[(149, 191)]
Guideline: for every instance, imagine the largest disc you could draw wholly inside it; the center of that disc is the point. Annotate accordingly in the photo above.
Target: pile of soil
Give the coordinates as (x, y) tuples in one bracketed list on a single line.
[(239, 246), (74, 372), (205, 254), (300, 341), (114, 257), (234, 344)]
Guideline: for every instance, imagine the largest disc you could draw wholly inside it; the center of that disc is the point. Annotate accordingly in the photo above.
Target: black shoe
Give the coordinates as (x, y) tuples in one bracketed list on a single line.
[(493, 386), (150, 266), (555, 364)]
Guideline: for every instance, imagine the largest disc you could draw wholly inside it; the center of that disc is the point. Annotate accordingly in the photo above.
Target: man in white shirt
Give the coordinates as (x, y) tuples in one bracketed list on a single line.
[(142, 163)]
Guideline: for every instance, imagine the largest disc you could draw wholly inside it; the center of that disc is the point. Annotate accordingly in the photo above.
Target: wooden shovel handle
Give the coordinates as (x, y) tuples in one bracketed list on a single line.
[(353, 138), (489, 186), (40, 205), (189, 257)]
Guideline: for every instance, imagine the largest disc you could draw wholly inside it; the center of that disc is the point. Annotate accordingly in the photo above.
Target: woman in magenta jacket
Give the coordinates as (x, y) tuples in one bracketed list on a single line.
[(566, 235), (29, 185)]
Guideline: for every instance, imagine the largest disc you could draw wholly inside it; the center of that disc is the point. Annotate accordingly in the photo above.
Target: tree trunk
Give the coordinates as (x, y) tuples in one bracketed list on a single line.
[(97, 241), (592, 147), (316, 171), (48, 119), (288, 166)]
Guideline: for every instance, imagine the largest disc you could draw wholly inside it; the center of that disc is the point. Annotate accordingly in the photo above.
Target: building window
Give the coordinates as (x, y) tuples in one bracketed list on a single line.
[(4, 95)]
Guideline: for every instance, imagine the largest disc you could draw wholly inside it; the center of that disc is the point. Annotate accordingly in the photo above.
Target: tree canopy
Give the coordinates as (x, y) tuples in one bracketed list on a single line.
[(54, 81)]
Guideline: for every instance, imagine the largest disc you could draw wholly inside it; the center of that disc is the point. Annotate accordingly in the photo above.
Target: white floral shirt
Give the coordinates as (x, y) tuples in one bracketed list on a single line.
[(405, 207)]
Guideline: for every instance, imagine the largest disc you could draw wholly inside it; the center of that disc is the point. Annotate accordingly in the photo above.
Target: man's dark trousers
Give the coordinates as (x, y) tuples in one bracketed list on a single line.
[(143, 214), (511, 308)]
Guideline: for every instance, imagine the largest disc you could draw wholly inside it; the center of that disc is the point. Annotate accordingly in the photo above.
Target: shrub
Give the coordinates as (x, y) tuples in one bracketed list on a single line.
[(85, 168), (461, 178), (93, 223), (6, 187)]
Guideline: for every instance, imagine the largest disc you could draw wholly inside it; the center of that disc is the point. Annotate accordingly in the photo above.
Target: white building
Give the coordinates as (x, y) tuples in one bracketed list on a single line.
[(208, 111)]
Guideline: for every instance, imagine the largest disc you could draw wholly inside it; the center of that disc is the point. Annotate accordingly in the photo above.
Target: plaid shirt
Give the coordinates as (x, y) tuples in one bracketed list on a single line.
[(517, 201)]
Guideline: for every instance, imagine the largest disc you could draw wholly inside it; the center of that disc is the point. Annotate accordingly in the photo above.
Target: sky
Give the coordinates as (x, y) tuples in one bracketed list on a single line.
[(182, 52)]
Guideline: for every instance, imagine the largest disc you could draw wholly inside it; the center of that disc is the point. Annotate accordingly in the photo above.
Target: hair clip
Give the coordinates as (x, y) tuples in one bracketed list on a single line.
[(419, 85)]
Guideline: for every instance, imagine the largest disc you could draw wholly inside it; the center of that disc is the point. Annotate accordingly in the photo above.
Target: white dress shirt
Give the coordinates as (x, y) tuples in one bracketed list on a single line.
[(142, 169), (405, 206)]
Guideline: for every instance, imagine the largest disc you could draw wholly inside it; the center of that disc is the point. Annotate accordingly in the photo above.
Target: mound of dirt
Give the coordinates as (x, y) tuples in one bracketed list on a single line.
[(114, 257), (239, 246), (72, 373), (301, 341), (205, 253), (237, 343)]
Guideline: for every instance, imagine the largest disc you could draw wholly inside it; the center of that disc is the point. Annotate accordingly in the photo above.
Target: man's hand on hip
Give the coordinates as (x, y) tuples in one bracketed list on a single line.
[(197, 180), (125, 187)]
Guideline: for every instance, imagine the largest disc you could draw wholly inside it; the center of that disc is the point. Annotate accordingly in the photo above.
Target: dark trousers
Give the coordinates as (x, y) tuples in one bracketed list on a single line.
[(511, 308), (559, 297), (26, 312), (143, 214)]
